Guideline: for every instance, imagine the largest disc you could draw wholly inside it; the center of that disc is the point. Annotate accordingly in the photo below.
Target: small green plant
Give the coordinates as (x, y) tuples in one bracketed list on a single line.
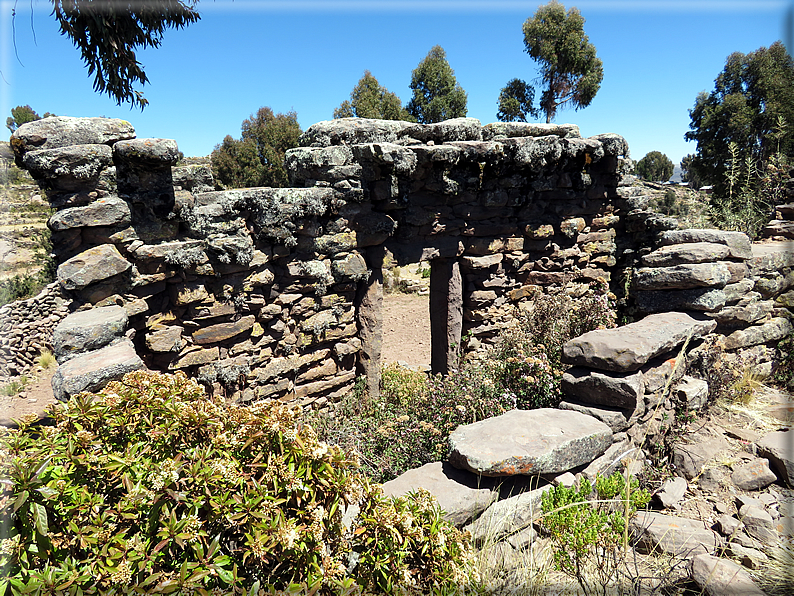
[(589, 528), (783, 371), (15, 387), (151, 486)]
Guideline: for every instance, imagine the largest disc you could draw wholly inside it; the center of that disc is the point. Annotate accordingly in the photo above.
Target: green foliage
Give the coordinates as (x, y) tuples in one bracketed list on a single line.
[(570, 71), (688, 173), (409, 424), (257, 159), (589, 535), (515, 102), (437, 96), (750, 95), (108, 37), (27, 285), (369, 100), (22, 115), (151, 486), (655, 167)]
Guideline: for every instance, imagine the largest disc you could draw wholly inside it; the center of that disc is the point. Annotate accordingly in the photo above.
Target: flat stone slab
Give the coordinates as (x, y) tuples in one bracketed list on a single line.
[(678, 254), (88, 330), (627, 348), (603, 389), (677, 536), (107, 211), (773, 330), (683, 277), (508, 516), (60, 131), (699, 299), (753, 475), (721, 577), (737, 242), (93, 370), (530, 442), (778, 448), (91, 266), (458, 492)]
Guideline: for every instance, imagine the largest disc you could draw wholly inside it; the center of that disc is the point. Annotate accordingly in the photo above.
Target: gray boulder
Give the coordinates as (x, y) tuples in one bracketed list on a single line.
[(353, 131), (528, 129), (88, 330), (157, 152), (737, 242), (459, 493), (753, 475), (107, 211), (617, 419), (679, 254), (93, 370), (671, 492), (682, 277), (604, 389), (746, 312), (773, 330), (672, 535), (721, 577), (61, 131), (691, 393), (689, 458), (68, 168), (778, 448), (627, 348), (543, 441), (700, 299), (91, 266)]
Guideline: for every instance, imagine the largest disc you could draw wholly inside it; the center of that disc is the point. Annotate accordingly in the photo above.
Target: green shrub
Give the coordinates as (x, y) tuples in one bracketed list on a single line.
[(151, 486), (588, 535), (783, 372)]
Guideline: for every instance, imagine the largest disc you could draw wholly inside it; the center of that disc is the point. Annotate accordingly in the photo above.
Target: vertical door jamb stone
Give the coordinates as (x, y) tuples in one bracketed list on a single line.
[(446, 314), (370, 322)]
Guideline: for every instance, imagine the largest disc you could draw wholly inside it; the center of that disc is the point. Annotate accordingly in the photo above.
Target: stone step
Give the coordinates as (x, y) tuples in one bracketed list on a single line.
[(93, 370), (88, 330), (627, 348)]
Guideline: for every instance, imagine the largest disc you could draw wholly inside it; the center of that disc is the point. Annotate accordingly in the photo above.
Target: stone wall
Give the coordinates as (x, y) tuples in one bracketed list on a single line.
[(276, 292)]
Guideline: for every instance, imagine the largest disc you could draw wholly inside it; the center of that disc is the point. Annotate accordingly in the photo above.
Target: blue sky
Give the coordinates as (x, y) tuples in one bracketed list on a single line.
[(307, 56)]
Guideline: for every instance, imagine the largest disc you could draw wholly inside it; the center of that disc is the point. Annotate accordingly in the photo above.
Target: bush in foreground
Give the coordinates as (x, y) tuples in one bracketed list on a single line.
[(151, 486)]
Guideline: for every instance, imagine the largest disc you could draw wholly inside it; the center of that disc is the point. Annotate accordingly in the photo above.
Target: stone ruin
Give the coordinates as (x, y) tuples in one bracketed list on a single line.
[(276, 293)]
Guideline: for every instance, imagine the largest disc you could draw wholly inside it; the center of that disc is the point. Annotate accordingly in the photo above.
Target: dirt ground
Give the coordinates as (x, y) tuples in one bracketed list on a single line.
[(406, 329)]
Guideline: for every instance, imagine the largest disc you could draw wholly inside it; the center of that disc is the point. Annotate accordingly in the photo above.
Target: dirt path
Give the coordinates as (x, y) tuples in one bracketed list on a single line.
[(406, 329)]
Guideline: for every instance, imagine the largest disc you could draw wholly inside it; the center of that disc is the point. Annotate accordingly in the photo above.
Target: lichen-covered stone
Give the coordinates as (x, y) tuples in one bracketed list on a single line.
[(72, 168), (158, 152), (88, 330), (107, 211), (543, 441), (682, 277), (679, 254), (93, 370), (91, 266), (737, 242), (223, 331), (61, 131)]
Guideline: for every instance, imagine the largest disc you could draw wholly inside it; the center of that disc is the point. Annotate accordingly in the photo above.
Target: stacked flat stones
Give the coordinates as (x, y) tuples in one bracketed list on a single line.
[(783, 225), (26, 330), (259, 291)]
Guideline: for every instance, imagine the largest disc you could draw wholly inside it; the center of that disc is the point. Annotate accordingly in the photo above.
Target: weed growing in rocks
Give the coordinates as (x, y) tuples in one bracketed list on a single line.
[(46, 359), (589, 528), (151, 486)]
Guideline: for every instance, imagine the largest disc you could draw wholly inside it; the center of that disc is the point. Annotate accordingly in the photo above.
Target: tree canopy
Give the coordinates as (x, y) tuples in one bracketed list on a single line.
[(257, 158), (570, 71), (515, 102), (369, 99), (437, 95), (655, 167), (688, 174), (108, 34), (751, 94), (22, 115)]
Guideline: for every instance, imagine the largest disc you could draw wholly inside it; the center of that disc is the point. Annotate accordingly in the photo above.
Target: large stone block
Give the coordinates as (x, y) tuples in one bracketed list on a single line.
[(107, 211), (458, 492), (68, 168), (93, 370), (671, 535), (773, 330), (60, 131), (699, 299), (679, 254), (778, 448), (737, 242), (683, 277), (88, 330), (627, 348), (593, 387), (91, 266), (721, 577), (530, 442)]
